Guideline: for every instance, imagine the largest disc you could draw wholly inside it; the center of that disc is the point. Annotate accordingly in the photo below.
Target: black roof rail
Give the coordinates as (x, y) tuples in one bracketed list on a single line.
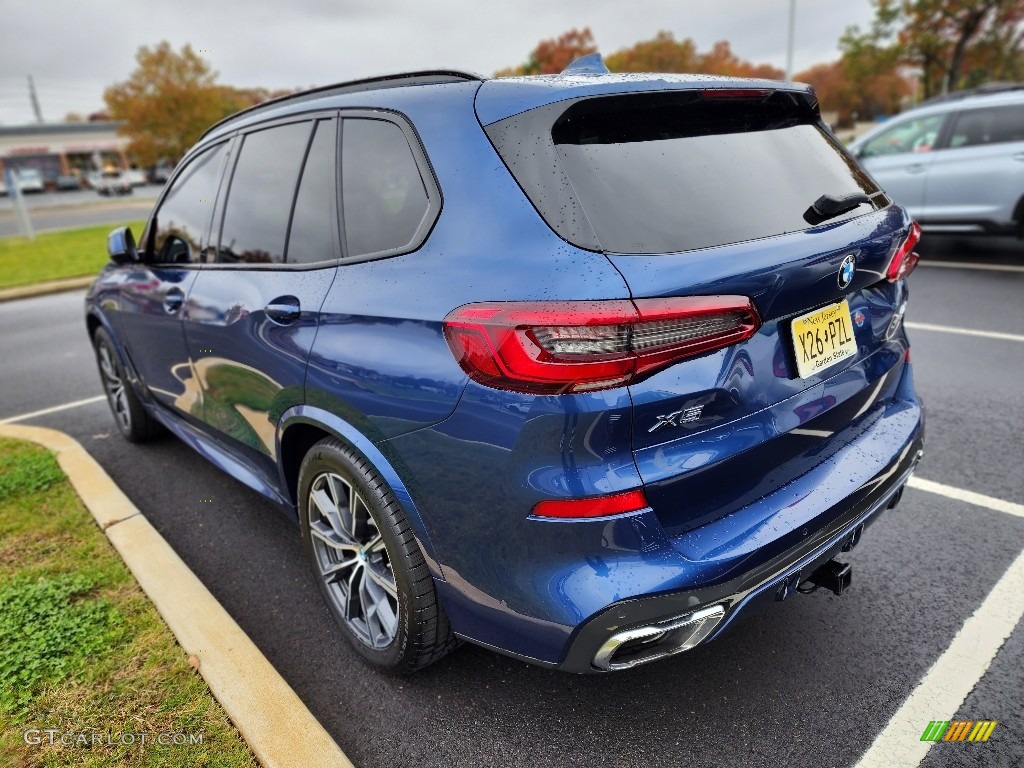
[(424, 77), (980, 90)]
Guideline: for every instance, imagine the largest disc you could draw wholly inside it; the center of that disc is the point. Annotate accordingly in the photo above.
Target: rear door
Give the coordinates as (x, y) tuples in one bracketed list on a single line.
[(377, 354), (253, 312), (979, 174)]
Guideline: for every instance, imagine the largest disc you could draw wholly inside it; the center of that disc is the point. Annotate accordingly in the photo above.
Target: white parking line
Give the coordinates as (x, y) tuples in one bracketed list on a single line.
[(953, 676), (945, 687), (964, 331), (971, 265), (960, 494), (54, 409)]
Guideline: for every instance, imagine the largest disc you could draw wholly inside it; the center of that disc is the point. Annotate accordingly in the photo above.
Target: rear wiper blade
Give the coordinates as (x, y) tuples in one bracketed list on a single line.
[(829, 206)]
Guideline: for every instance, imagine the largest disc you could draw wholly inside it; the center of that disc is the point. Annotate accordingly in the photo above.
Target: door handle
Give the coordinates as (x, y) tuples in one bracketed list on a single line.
[(284, 309), (173, 300), (1019, 157), (916, 168)]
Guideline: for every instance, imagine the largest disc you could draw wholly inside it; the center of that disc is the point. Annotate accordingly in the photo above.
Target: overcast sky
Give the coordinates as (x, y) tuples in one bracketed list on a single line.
[(74, 48)]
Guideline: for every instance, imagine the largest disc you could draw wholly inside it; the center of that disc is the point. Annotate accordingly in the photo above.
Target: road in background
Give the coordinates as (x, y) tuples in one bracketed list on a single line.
[(809, 682), (64, 210)]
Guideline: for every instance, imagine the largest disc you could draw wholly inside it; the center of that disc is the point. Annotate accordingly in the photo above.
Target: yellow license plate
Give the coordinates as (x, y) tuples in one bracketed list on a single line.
[(823, 338)]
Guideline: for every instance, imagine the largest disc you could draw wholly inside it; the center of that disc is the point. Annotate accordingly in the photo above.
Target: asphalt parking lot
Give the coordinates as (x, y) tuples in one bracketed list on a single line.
[(811, 682)]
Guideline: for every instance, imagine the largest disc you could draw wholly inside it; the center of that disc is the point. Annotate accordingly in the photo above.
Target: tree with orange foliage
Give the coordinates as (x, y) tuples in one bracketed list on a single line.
[(939, 35), (830, 83), (954, 43), (720, 60), (167, 103), (662, 54), (996, 55), (552, 56), (853, 88)]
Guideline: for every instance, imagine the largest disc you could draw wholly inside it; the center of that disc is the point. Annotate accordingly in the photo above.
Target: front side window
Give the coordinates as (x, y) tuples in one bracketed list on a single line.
[(260, 197), (995, 125), (185, 212), (384, 198), (918, 135)]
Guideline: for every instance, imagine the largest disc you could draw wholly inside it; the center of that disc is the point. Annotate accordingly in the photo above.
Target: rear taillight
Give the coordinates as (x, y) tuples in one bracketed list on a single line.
[(904, 259), (577, 346)]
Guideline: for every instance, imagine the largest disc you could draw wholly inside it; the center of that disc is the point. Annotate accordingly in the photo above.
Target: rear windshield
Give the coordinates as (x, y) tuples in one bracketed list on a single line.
[(669, 172)]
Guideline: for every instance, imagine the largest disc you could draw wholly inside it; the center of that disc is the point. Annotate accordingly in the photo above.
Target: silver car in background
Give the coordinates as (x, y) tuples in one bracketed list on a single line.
[(956, 163)]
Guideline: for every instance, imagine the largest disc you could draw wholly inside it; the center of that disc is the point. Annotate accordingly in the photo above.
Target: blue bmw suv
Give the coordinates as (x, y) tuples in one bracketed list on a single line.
[(578, 368)]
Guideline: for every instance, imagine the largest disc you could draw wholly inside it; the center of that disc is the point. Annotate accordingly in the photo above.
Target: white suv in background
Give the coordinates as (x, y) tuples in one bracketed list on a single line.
[(956, 163)]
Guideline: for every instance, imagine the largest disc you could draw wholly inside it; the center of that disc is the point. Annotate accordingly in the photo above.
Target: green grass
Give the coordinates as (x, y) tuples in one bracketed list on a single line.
[(82, 651), (55, 255)]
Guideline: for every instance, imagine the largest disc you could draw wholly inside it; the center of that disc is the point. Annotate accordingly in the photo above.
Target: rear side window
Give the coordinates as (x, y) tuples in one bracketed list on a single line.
[(669, 172), (995, 125), (184, 214), (260, 198), (384, 197)]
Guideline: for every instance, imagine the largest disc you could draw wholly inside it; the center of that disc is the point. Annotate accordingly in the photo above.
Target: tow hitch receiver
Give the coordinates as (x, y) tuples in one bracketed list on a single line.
[(833, 576)]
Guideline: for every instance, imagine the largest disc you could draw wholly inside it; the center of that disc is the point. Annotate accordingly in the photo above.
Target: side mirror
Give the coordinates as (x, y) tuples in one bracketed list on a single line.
[(121, 246)]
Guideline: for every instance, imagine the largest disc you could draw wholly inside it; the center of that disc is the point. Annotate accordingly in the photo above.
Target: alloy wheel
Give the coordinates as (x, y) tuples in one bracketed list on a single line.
[(352, 560), (115, 388)]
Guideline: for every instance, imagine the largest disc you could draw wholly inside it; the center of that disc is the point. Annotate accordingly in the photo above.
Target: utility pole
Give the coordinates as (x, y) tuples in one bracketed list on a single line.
[(789, 42), (35, 100)]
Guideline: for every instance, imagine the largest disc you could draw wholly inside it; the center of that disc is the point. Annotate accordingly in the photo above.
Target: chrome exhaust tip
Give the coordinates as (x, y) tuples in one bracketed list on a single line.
[(656, 641)]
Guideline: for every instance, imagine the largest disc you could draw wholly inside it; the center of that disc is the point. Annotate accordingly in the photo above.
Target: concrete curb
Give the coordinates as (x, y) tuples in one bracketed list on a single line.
[(272, 719), (41, 289)]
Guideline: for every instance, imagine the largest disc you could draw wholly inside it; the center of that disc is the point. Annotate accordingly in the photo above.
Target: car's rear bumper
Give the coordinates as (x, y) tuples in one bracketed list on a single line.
[(747, 558), (770, 581)]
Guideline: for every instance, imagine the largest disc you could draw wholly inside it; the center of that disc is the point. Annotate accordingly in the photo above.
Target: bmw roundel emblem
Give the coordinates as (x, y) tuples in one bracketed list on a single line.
[(846, 270)]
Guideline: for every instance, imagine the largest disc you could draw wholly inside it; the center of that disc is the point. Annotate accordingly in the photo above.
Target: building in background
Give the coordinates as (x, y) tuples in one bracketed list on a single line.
[(62, 149)]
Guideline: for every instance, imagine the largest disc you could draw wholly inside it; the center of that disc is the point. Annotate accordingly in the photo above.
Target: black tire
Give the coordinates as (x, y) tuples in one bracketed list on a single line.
[(367, 563), (131, 418)]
